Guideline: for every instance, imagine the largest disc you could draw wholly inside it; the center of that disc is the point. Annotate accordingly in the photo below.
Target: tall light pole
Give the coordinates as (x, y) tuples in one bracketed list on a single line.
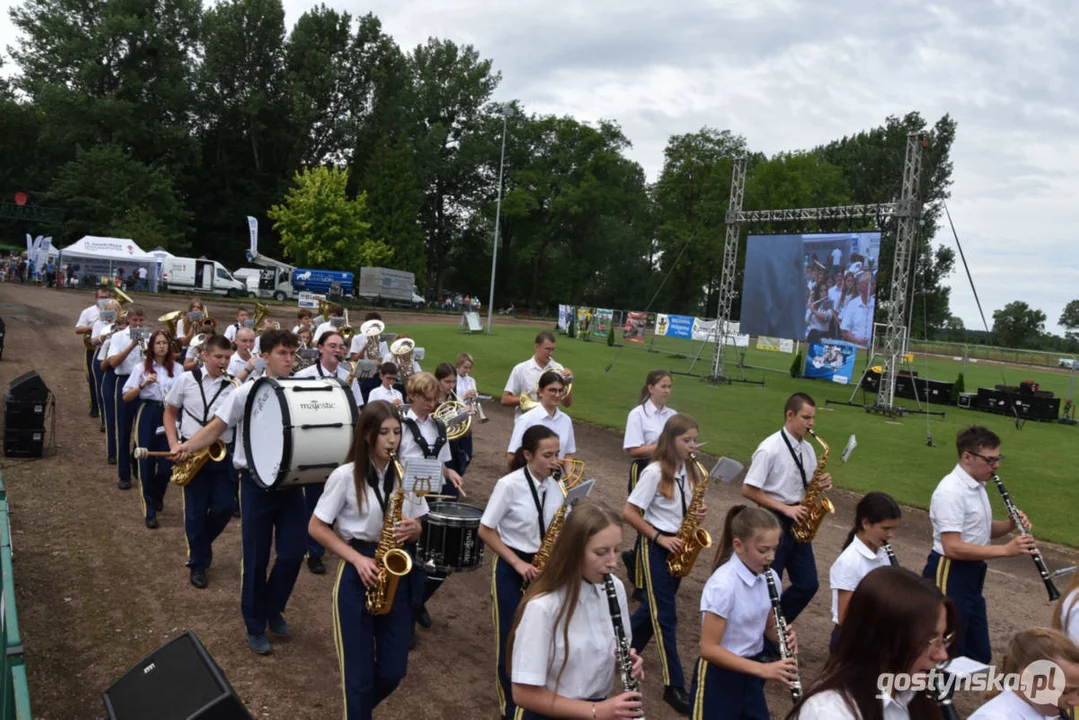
[(498, 217)]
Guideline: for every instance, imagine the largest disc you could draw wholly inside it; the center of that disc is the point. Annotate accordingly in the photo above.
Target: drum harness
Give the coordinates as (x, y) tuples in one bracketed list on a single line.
[(428, 452), (197, 374)]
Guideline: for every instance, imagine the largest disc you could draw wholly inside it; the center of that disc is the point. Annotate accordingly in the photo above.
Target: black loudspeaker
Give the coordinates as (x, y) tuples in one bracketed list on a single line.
[(29, 386), (24, 414), (3, 331), (179, 681)]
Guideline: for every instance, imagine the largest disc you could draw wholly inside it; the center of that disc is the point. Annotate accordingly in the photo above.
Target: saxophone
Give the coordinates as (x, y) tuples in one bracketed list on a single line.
[(539, 560), (694, 538), (184, 472), (814, 501), (393, 562)]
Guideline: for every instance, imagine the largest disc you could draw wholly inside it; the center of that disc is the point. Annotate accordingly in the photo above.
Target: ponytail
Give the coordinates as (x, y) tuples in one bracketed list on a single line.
[(653, 377), (743, 523), (875, 507), (530, 442)]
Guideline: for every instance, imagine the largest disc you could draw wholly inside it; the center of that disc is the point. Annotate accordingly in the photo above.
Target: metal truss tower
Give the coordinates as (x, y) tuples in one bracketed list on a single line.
[(907, 211)]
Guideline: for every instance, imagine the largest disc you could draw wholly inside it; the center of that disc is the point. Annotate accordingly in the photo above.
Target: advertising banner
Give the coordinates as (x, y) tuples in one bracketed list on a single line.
[(563, 317), (831, 360), (704, 330), (775, 344), (680, 326), (636, 327), (584, 321), (602, 324)]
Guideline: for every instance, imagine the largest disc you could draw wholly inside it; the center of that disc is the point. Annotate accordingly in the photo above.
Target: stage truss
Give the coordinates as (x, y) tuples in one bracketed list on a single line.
[(907, 213)]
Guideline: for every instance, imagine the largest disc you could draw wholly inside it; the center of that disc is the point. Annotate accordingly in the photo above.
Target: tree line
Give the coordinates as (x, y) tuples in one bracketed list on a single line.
[(169, 122)]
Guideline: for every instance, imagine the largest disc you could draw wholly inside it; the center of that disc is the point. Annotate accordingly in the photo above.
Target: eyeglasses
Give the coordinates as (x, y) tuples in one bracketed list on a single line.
[(991, 460), (940, 642)]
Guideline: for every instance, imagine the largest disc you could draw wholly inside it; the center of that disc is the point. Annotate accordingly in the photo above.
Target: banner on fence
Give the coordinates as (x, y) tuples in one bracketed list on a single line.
[(831, 360), (584, 321), (601, 323), (563, 317), (775, 344), (635, 328), (679, 326), (704, 330)]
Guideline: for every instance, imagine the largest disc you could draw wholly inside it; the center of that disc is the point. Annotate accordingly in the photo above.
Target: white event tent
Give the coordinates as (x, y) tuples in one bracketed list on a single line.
[(91, 257)]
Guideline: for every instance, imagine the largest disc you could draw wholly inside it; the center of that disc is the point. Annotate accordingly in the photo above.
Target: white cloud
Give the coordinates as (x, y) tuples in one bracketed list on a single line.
[(790, 74)]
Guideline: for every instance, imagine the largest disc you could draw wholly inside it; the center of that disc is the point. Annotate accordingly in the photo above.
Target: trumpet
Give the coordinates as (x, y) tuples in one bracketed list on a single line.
[(475, 406)]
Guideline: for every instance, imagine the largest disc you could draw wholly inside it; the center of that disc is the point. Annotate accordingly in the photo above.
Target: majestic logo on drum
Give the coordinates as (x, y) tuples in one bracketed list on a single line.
[(317, 405)]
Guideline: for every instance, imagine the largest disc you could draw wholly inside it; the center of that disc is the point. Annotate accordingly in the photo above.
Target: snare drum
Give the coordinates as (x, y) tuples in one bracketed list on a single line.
[(451, 538), (297, 430)]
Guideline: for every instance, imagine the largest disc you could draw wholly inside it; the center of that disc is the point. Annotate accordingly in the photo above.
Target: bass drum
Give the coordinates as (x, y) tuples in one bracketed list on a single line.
[(451, 538), (297, 430)]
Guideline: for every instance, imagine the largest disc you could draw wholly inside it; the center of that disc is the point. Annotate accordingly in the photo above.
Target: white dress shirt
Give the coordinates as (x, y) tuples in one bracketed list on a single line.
[(198, 408), (660, 512), (1009, 706), (237, 365), (231, 411), (338, 504), (960, 504), (830, 705), (525, 375), (857, 318), (389, 394), (854, 563), (429, 431), (103, 349), (739, 596), (511, 510), (539, 647), (645, 423), (117, 344), (560, 422), (88, 316), (156, 391), (1070, 616), (341, 373), (774, 471), (230, 332), (464, 384), (359, 344)]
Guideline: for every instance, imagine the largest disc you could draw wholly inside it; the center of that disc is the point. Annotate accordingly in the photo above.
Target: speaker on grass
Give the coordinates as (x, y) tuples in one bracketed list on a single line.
[(28, 387), (178, 681), (3, 331)]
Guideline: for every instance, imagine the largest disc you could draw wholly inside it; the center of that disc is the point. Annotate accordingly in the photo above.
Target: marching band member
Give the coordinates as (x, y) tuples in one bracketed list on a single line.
[(963, 529), (1066, 612), (736, 610), (336, 311), (552, 386), (330, 349), (446, 375), (304, 333), (524, 375), (105, 378), (1036, 646), (265, 512), (466, 391), (84, 326), (562, 648), (513, 525), (242, 316), (148, 385), (124, 356), (372, 649), (244, 361), (778, 476), (656, 509), (896, 624), (185, 329), (358, 348), (643, 425), (425, 437), (303, 318), (387, 373), (209, 499), (875, 519)]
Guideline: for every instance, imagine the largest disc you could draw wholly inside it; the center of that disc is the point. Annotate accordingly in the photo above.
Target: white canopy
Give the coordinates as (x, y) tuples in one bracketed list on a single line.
[(119, 250)]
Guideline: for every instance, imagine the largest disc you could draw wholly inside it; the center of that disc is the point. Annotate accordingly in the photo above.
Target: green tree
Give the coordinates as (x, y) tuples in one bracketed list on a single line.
[(321, 227), (394, 202), (1069, 320), (106, 191), (1016, 325)]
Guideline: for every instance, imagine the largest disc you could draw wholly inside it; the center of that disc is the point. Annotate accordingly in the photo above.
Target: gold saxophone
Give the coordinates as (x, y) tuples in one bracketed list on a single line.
[(539, 560), (694, 538), (814, 502), (393, 562), (184, 472)]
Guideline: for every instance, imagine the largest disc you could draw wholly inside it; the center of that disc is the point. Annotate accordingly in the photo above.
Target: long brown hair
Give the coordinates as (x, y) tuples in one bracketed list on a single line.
[(1060, 613), (667, 456), (360, 454), (148, 361), (745, 523), (890, 621), (653, 378), (564, 570)]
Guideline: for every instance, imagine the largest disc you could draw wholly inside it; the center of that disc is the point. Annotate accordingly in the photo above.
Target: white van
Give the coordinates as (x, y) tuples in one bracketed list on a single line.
[(201, 275)]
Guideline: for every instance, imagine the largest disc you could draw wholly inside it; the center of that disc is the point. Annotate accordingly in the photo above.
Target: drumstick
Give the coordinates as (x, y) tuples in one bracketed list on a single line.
[(141, 453)]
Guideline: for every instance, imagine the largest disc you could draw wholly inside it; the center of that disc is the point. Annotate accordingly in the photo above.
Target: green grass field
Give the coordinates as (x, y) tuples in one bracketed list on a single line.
[(892, 455)]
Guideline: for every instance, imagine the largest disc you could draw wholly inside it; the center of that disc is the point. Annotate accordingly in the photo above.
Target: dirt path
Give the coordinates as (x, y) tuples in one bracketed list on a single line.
[(97, 591)]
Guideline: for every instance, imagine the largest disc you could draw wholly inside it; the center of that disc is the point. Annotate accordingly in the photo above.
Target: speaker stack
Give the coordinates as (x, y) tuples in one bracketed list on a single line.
[(178, 681), (24, 416)]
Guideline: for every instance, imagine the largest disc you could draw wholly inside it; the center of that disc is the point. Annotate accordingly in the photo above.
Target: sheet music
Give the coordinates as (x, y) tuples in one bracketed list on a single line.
[(851, 444), (423, 476), (726, 470), (964, 667), (580, 492)]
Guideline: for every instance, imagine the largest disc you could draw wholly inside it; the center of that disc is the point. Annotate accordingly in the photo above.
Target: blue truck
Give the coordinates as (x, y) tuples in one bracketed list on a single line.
[(321, 281)]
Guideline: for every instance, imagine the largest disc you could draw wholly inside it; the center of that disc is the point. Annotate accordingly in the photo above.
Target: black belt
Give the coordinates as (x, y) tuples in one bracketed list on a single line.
[(363, 546), (527, 557)]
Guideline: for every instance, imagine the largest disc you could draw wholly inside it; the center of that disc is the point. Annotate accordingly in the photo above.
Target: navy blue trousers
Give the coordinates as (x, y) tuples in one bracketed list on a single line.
[(635, 470), (99, 389), (506, 596), (208, 504), (270, 518), (721, 694), (154, 472), (125, 419), (373, 649), (91, 379), (108, 397), (797, 559), (962, 581), (659, 615), (311, 494)]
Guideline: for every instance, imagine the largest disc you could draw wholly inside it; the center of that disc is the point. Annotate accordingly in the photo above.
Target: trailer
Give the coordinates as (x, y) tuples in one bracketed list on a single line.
[(383, 286)]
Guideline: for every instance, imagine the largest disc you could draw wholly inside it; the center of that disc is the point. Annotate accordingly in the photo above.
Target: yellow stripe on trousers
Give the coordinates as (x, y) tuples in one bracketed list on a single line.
[(657, 631), (698, 697), (337, 644), (135, 427), (498, 648), (944, 567)]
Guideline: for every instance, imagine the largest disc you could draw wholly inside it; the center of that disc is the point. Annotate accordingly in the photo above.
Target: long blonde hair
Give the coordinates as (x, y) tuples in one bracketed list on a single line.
[(1037, 643), (667, 455), (564, 569)]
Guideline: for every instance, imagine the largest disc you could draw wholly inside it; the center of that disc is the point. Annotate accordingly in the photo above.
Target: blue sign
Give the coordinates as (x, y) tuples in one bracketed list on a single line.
[(320, 281), (680, 326), (831, 360)]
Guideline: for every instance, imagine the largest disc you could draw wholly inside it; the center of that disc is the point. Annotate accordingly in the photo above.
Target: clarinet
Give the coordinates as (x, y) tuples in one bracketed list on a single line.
[(625, 662), (781, 631), (891, 554), (1013, 512), (943, 697)]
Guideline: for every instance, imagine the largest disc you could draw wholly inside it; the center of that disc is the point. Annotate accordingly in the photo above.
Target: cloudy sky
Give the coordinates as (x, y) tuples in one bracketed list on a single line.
[(790, 74)]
